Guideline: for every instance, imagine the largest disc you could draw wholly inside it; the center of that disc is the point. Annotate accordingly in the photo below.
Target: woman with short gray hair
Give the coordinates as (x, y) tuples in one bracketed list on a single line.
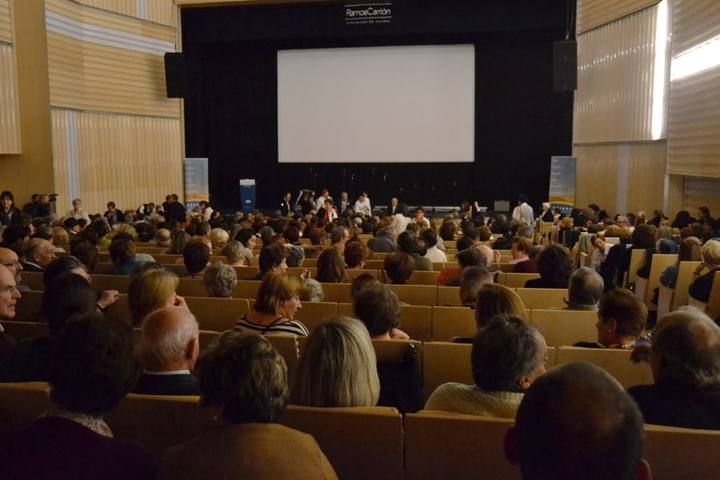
[(220, 280)]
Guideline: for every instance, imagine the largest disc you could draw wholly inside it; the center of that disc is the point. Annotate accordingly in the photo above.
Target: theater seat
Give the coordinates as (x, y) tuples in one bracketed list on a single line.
[(682, 452), (21, 403), (565, 327), (616, 362), (543, 297)]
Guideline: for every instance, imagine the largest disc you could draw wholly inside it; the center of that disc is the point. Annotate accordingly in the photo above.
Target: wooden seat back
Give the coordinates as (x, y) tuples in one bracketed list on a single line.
[(616, 362), (637, 258), (449, 322), (565, 327), (313, 314), (416, 294), (21, 403), (22, 330), (681, 452), (27, 308), (682, 284), (448, 296), (658, 265), (416, 321), (543, 297), (515, 280), (336, 292)]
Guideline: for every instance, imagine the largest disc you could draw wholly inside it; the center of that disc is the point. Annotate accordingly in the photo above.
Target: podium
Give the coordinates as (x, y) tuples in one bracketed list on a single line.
[(247, 194)]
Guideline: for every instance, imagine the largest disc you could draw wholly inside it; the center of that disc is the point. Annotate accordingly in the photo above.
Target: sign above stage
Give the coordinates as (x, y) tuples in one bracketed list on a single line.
[(378, 13)]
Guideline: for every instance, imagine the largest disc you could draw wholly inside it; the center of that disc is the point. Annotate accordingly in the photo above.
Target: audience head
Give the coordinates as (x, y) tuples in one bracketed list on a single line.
[(330, 267), (233, 253), (93, 365), (555, 265), (178, 241), (220, 280), (507, 355), (464, 243), (686, 350), (338, 367), (447, 231), (487, 253), (273, 258), (471, 281), (644, 236), (9, 294), (86, 252), (690, 250), (339, 235), (10, 260), (64, 297), (606, 445), (471, 257), (169, 341), (39, 251), (586, 288), (494, 299), (150, 290), (399, 266), (121, 250), (219, 237), (196, 256), (61, 266), (711, 253), (279, 294), (378, 308), (407, 242), (60, 236), (247, 237), (311, 291), (621, 318), (245, 378), (361, 282), (520, 247), (356, 254)]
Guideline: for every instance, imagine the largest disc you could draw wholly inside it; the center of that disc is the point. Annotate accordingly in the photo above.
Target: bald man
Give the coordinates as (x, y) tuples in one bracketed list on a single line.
[(169, 348), (685, 361), (162, 237), (38, 254), (9, 259), (594, 427), (9, 296)]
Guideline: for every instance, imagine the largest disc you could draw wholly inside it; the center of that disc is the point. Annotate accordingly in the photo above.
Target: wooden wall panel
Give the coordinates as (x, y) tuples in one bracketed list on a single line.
[(162, 11), (61, 137), (124, 7), (9, 102), (613, 101), (702, 192), (597, 179), (694, 21), (6, 22), (594, 13), (646, 176)]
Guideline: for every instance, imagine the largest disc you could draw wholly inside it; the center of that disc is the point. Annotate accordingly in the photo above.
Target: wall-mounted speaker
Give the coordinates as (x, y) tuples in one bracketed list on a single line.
[(175, 76), (565, 66)]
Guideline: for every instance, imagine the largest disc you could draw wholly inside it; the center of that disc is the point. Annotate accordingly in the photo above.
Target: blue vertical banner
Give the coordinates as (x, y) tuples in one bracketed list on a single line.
[(196, 182), (562, 181)]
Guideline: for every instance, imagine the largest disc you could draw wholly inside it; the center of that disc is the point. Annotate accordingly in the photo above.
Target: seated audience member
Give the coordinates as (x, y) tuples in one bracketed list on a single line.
[(520, 251), (38, 254), (600, 252), (420, 218), (686, 367), (507, 356), (465, 242), (361, 282), (152, 289), (494, 299), (408, 243), (701, 286), (356, 254), (162, 237), (277, 302), (233, 252), (362, 205), (399, 267), (337, 367), (92, 370), (470, 257), (168, 349), (447, 231), (331, 267), (555, 266), (87, 252), (311, 291), (10, 260), (586, 288), (196, 256), (434, 254), (295, 255), (219, 237), (178, 241), (471, 281), (273, 259), (383, 241), (220, 280), (66, 296), (690, 251), (244, 379), (339, 237), (69, 264), (621, 321), (378, 308), (9, 295), (60, 239), (122, 255), (327, 213), (606, 445)]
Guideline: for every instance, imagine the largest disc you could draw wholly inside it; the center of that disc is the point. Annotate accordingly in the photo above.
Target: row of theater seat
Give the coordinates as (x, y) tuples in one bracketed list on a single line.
[(374, 442)]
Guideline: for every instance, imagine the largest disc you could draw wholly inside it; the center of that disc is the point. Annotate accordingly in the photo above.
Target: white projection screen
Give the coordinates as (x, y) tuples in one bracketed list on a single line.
[(377, 104)]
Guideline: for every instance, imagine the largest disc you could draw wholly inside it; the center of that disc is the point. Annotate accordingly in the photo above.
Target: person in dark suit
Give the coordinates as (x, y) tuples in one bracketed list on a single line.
[(38, 254), (9, 213), (174, 210), (93, 368), (285, 207), (702, 285), (396, 207), (686, 367), (555, 266), (169, 348)]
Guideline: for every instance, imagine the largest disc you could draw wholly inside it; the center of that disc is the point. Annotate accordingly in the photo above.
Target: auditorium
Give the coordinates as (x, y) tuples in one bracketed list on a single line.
[(399, 239)]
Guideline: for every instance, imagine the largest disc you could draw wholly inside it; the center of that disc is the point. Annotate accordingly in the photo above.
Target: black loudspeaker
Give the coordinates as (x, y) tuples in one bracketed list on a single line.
[(175, 78), (565, 66)]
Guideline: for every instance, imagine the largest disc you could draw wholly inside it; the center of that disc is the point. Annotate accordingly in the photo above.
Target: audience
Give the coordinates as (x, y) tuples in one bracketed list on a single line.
[(554, 266), (220, 280), (471, 281), (168, 349), (356, 254), (520, 252), (152, 289), (196, 256), (9, 295), (685, 361), (337, 367), (244, 380), (701, 286), (577, 422), (407, 242), (273, 259), (122, 255), (586, 288), (434, 254), (507, 356), (233, 252), (38, 254), (621, 321), (277, 301), (689, 251), (331, 267), (399, 267), (10, 260)]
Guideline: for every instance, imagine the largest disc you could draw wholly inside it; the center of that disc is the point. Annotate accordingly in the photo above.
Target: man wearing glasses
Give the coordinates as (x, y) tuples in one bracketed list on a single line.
[(9, 259)]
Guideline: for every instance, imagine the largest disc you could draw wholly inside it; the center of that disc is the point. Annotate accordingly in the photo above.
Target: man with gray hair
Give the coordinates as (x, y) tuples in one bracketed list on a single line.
[(220, 280), (586, 288), (169, 347), (685, 359)]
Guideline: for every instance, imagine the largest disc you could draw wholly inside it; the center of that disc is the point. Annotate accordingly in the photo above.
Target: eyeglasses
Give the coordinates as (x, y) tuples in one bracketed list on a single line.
[(12, 264)]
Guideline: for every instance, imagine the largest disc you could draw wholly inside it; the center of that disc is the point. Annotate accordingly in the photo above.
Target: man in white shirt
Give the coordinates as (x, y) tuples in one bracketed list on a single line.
[(420, 218), (320, 201), (523, 212), (362, 205), (77, 212), (344, 203)]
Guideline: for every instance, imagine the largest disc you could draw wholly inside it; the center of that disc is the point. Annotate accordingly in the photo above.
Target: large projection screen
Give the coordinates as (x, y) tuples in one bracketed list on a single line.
[(377, 104)]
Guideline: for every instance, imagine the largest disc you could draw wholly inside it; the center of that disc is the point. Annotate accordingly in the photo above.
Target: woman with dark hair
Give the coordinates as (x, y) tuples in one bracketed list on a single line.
[(554, 265), (9, 213), (682, 219), (243, 380), (93, 368), (643, 237), (331, 267)]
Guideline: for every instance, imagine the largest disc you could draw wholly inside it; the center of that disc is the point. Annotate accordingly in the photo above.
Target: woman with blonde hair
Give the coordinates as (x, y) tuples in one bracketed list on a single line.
[(277, 302), (219, 237), (152, 289), (494, 299), (60, 237), (338, 367)]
